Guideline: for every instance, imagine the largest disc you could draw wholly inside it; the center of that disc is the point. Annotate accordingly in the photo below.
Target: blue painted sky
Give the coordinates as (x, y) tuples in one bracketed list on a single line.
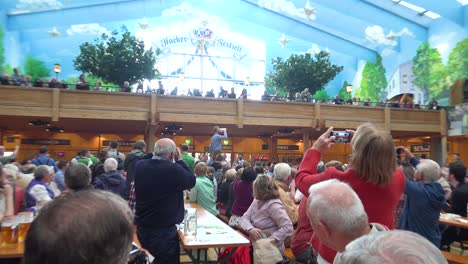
[(353, 31)]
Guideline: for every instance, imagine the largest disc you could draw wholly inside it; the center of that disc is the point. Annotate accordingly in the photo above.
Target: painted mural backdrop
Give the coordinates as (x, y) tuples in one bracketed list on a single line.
[(233, 43)]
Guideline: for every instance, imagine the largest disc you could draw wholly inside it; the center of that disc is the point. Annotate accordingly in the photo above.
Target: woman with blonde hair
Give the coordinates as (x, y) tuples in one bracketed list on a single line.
[(267, 216), (372, 173)]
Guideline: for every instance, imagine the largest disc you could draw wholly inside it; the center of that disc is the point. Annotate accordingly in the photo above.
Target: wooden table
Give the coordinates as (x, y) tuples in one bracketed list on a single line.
[(454, 222), (211, 233)]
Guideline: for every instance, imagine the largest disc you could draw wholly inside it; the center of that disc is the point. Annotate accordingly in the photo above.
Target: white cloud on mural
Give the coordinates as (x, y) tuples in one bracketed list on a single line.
[(31, 5), (463, 2), (314, 49), (434, 39), (375, 34), (87, 29), (285, 7), (387, 52)]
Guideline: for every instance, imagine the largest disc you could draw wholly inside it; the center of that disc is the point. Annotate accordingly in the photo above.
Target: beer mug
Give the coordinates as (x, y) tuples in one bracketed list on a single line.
[(24, 222), (190, 225), (8, 233)]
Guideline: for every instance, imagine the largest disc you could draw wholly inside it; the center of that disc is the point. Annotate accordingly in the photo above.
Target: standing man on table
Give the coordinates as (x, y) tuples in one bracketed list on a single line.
[(159, 185), (215, 145)]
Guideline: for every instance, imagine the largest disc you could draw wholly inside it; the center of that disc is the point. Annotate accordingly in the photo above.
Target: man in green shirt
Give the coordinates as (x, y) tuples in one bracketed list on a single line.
[(187, 157)]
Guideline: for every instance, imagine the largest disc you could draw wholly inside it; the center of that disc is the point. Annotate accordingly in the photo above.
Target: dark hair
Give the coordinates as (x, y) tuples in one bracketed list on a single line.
[(81, 228), (216, 165), (82, 152), (248, 174), (184, 147), (43, 150), (102, 154), (61, 164), (259, 170), (458, 171), (77, 176), (113, 144), (140, 144)]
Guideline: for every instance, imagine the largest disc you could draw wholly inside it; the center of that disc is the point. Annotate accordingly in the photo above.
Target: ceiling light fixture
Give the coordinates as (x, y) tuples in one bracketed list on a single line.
[(173, 127), (38, 122), (285, 131), (54, 129)]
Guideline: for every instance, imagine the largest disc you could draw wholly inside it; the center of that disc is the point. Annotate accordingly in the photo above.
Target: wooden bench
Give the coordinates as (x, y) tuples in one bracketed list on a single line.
[(455, 258)]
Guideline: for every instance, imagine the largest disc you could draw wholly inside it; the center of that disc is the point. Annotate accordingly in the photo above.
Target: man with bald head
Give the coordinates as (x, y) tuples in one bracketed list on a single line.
[(159, 185), (337, 215)]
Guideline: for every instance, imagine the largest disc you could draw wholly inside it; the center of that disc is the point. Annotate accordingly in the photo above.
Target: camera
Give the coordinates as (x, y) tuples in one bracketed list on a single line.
[(341, 136)]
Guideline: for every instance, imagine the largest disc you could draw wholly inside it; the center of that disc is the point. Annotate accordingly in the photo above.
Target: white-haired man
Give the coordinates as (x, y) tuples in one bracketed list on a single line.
[(425, 199), (337, 215), (391, 247), (282, 177), (159, 185), (111, 180)]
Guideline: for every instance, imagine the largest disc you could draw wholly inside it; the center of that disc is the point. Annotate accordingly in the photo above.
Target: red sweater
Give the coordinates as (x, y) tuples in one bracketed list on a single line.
[(379, 201), (303, 231)]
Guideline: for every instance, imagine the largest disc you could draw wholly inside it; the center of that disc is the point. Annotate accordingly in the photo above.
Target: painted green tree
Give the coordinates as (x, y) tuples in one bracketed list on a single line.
[(116, 59), (373, 81), (430, 74), (301, 71), (343, 93), (35, 68), (2, 50), (321, 95), (458, 61)]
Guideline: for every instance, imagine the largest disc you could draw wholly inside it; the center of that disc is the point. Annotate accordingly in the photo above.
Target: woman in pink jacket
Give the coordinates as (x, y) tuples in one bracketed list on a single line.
[(266, 216)]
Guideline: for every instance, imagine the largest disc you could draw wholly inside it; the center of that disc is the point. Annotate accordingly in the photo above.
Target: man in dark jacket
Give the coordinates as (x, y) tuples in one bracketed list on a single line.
[(111, 179), (424, 201), (159, 185), (138, 151)]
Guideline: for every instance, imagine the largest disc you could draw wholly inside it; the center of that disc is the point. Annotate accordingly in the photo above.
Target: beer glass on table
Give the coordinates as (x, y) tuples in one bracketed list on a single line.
[(9, 236), (25, 220)]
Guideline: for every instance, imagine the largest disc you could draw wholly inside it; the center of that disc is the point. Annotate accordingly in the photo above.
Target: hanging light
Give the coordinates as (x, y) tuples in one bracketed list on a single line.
[(38, 122), (54, 129)]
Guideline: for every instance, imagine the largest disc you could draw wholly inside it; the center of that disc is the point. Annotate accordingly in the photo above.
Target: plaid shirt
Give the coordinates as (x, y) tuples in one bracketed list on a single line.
[(132, 197)]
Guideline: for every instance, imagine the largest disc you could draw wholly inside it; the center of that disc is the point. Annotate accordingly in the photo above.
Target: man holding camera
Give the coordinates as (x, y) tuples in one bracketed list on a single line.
[(216, 145)]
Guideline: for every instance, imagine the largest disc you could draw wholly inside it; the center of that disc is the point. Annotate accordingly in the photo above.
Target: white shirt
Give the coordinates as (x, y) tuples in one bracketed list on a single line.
[(39, 193)]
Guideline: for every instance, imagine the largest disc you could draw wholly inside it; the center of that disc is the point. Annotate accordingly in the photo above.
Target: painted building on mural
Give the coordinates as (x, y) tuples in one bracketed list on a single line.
[(401, 83)]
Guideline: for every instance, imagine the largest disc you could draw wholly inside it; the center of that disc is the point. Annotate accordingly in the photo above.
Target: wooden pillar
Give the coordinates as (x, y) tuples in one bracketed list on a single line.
[(443, 139), (306, 140), (387, 119), (436, 150), (240, 113), (150, 130), (273, 149), (55, 105)]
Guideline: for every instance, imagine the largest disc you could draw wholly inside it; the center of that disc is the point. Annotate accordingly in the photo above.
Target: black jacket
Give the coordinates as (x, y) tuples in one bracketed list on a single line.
[(159, 186)]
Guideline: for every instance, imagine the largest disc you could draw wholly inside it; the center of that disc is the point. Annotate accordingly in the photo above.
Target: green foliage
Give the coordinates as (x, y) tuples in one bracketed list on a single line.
[(343, 94), (321, 95), (373, 81), (301, 71), (429, 71), (2, 50), (458, 62), (117, 59), (35, 68), (8, 69)]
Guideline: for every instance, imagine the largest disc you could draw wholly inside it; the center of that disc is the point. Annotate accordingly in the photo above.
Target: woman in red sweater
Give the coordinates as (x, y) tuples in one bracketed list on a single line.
[(372, 173)]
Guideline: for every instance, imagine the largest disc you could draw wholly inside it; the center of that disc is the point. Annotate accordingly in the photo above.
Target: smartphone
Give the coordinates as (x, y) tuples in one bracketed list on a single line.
[(341, 136)]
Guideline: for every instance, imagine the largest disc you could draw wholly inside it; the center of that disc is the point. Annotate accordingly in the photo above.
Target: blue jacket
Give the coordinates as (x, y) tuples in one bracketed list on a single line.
[(216, 142), (44, 160), (111, 181), (421, 212)]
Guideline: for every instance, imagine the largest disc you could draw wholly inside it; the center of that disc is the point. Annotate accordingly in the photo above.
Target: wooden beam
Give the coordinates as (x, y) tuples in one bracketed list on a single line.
[(306, 140), (317, 115), (387, 119), (154, 118), (150, 131), (273, 150), (443, 123), (55, 105), (443, 150), (240, 113)]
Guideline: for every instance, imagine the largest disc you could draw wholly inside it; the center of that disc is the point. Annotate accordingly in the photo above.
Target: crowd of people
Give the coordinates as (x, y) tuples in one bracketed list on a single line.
[(304, 96), (325, 212)]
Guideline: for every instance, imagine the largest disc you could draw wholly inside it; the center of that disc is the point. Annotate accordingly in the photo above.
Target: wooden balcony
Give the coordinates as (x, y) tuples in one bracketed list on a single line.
[(246, 117)]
